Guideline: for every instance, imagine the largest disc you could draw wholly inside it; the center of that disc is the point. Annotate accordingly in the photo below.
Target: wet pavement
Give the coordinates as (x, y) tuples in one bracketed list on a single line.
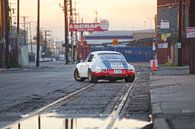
[(53, 121), (171, 90), (21, 96)]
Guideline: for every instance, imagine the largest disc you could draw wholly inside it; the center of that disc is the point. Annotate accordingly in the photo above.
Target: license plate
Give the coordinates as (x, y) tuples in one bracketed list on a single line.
[(117, 71)]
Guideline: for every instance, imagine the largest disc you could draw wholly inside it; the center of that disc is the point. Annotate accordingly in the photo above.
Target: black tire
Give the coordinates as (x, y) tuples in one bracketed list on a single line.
[(130, 78), (91, 78), (77, 76)]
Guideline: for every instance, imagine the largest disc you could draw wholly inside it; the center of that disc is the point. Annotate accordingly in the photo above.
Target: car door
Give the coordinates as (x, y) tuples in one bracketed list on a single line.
[(85, 65)]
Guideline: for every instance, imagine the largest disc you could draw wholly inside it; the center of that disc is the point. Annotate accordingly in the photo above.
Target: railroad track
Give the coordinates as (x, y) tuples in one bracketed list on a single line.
[(119, 106), (59, 102), (113, 116)]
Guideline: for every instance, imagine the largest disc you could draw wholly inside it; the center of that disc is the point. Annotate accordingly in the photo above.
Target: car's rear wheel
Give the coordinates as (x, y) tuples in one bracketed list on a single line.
[(92, 78), (130, 78), (77, 76)]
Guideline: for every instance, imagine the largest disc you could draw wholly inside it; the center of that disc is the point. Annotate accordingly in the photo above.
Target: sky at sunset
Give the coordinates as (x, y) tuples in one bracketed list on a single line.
[(125, 15)]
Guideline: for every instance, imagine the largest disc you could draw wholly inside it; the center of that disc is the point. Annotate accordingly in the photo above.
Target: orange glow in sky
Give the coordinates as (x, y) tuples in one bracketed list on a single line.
[(122, 14)]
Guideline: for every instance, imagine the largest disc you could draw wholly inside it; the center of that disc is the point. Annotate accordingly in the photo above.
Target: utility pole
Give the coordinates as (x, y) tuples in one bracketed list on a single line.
[(192, 41), (24, 22), (66, 31), (46, 42), (180, 33), (76, 36), (38, 32), (30, 35), (18, 30), (71, 33), (7, 33), (18, 17), (12, 11), (96, 16)]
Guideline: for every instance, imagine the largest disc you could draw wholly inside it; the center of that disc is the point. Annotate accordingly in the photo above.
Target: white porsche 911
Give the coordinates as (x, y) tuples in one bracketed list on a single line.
[(106, 65)]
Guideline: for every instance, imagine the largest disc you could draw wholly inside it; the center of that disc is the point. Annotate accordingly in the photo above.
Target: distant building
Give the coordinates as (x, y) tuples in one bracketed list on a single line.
[(135, 45), (124, 37), (19, 49), (143, 34), (99, 38)]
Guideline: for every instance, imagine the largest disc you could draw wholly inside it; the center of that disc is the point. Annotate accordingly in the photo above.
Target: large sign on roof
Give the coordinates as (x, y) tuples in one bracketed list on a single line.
[(91, 27)]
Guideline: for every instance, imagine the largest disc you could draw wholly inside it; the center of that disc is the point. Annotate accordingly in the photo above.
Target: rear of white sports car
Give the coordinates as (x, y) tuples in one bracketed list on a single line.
[(112, 66), (107, 65)]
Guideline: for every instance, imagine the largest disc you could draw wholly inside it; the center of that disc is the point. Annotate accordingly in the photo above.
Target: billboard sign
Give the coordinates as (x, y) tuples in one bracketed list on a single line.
[(90, 27)]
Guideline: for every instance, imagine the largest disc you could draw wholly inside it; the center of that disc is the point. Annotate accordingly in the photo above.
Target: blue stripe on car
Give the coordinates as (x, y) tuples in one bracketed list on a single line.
[(125, 65), (107, 64)]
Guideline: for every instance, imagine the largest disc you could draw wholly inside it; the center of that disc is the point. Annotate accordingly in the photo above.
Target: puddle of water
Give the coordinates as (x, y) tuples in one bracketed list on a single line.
[(53, 121)]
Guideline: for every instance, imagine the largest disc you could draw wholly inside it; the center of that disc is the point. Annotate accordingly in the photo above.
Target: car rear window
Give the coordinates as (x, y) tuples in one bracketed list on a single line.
[(108, 56)]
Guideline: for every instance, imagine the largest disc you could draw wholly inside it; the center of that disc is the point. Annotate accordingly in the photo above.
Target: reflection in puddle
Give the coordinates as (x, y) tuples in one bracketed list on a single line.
[(53, 121)]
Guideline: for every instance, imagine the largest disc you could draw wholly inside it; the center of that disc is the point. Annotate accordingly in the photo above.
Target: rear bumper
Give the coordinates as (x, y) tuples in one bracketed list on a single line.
[(110, 73)]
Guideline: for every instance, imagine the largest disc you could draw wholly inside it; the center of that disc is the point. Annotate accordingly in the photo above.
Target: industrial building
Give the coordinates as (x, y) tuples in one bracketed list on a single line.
[(135, 45), (171, 49)]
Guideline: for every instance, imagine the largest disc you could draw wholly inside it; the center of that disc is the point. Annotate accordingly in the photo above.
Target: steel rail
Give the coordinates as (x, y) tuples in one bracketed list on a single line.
[(58, 102), (119, 106)]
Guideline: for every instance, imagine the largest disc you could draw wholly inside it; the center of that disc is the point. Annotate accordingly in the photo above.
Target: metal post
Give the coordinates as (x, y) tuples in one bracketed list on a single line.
[(38, 33)]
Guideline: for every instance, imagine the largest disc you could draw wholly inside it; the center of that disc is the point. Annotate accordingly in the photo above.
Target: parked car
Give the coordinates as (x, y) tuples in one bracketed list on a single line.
[(107, 65)]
